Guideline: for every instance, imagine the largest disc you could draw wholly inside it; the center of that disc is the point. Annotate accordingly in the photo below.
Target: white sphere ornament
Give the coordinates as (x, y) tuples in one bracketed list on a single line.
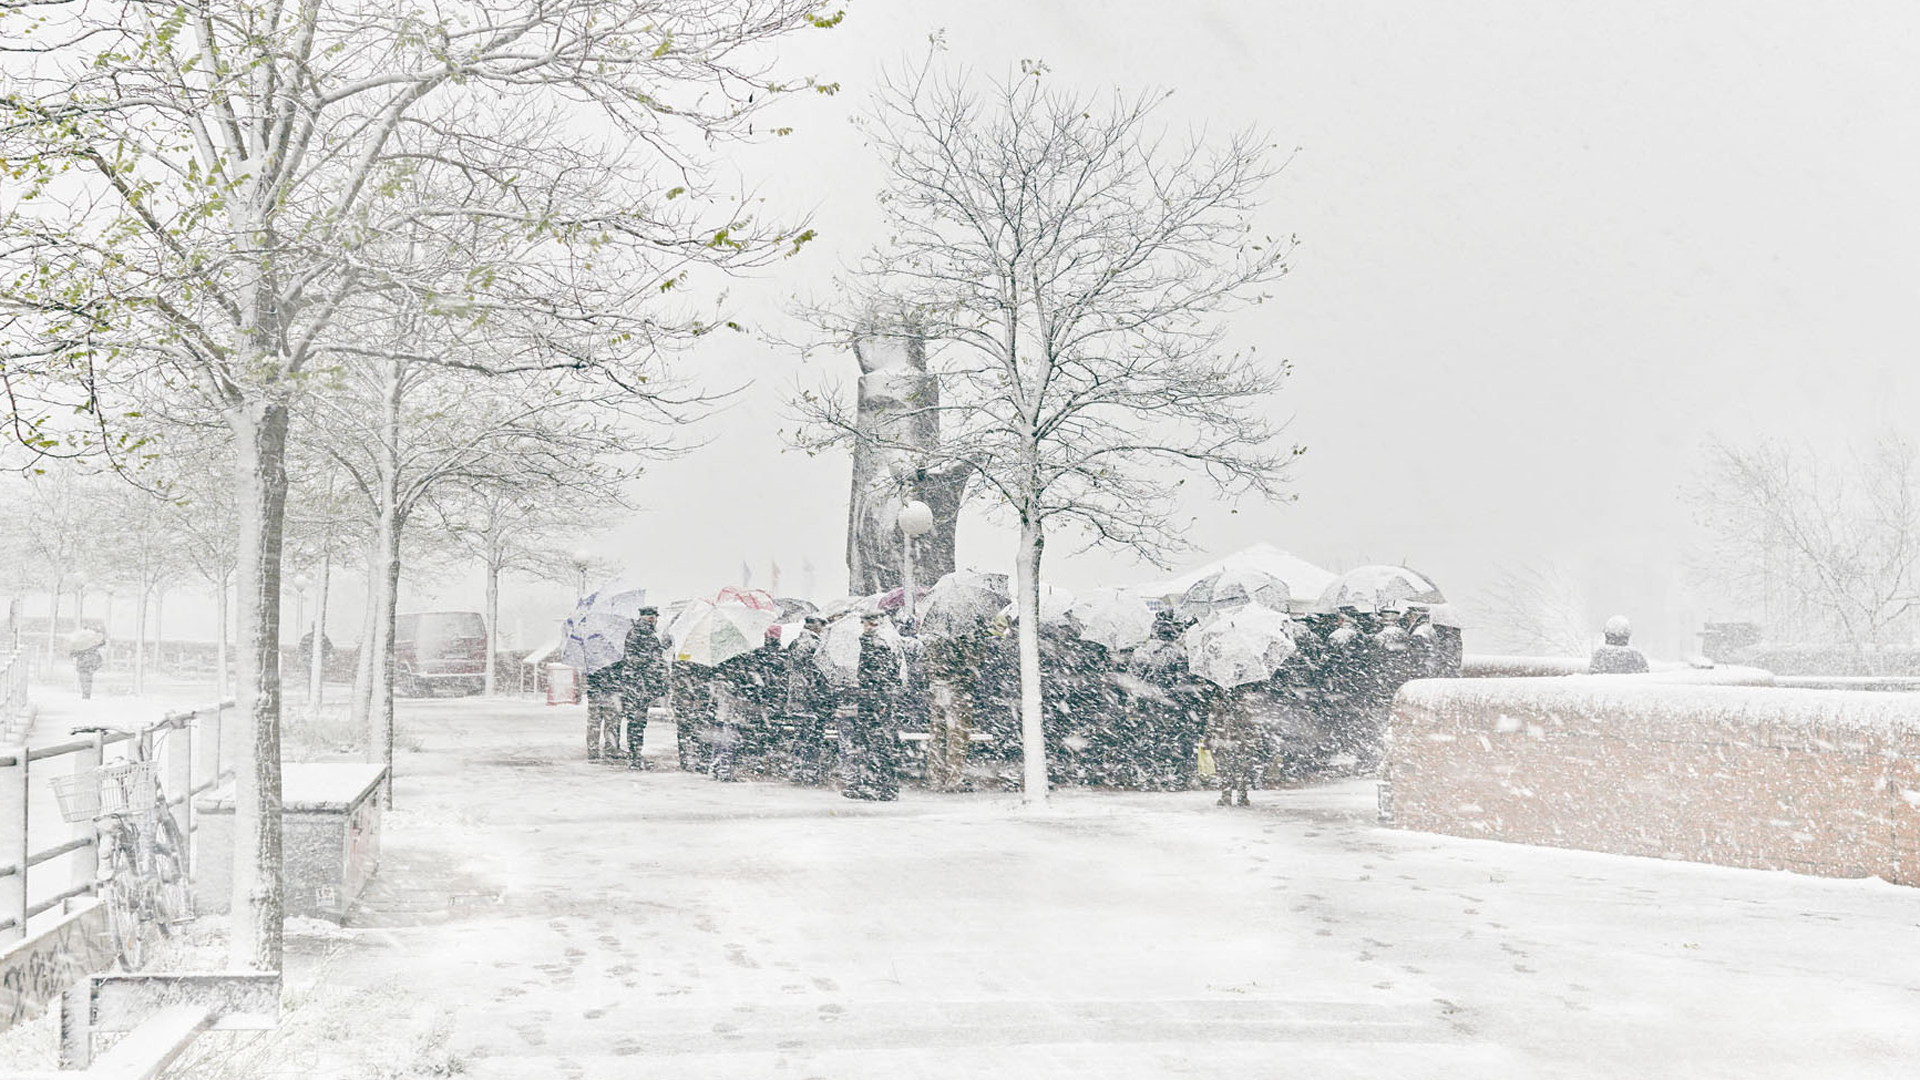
[(915, 518)]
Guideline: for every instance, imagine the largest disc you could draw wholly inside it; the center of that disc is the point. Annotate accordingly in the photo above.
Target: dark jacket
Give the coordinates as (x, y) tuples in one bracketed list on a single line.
[(643, 665)]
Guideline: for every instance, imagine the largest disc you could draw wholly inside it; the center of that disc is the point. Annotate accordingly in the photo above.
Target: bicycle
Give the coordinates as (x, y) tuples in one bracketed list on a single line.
[(142, 864)]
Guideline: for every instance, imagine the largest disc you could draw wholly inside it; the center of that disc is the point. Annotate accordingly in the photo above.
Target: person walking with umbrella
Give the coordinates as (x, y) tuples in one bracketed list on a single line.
[(603, 711), (88, 659), (872, 759), (643, 678)]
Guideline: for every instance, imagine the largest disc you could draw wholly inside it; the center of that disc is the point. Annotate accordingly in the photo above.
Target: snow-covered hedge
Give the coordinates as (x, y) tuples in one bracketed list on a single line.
[(1670, 765)]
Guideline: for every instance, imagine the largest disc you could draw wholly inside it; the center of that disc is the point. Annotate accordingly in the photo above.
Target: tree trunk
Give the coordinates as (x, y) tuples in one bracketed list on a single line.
[(493, 620), (140, 643), (160, 628), (362, 706), (383, 659), (317, 660), (220, 647), (1033, 746), (260, 483), (53, 626)]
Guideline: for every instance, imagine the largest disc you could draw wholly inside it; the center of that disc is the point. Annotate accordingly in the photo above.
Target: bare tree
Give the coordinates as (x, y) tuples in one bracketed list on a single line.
[(1535, 609), (1074, 265), (1819, 550), (196, 193)]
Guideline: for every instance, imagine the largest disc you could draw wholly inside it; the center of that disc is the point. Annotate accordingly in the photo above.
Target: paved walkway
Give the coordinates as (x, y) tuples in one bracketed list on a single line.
[(538, 915)]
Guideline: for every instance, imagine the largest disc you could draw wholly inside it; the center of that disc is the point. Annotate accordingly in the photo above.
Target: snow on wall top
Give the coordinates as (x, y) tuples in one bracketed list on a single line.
[(1680, 696)]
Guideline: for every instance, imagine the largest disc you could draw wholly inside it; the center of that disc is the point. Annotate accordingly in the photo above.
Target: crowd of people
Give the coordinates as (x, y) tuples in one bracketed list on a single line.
[(946, 708)]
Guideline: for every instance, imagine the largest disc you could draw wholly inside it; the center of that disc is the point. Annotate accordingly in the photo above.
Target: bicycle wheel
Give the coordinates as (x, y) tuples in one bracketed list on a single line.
[(173, 895), (128, 918)]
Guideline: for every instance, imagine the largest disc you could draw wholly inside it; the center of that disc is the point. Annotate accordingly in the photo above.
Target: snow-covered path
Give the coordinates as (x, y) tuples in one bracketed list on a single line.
[(551, 917)]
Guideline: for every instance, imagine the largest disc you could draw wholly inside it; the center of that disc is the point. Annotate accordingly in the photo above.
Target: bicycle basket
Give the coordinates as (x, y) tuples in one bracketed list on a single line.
[(117, 788)]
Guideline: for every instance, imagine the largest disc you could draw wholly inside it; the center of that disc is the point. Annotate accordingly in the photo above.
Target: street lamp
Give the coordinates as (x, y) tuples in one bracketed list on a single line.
[(301, 583), (915, 519), (79, 600), (580, 560)]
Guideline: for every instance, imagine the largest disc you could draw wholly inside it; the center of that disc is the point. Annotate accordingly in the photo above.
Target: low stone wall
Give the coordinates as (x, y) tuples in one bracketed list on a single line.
[(1820, 782)]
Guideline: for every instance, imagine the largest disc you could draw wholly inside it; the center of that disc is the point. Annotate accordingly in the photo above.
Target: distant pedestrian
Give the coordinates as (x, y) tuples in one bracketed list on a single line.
[(1616, 657), (643, 679), (604, 711), (86, 661)]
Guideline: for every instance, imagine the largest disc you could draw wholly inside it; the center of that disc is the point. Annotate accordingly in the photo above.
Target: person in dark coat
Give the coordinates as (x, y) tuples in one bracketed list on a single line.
[(1168, 717), (809, 705), (86, 662), (952, 668), (643, 678), (873, 770), (1616, 657)]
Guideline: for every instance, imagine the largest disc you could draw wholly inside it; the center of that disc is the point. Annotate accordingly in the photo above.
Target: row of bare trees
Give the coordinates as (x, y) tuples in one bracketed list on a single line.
[(425, 262)]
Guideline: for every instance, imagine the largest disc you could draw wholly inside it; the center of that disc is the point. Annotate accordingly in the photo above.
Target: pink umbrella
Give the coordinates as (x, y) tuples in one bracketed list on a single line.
[(758, 599)]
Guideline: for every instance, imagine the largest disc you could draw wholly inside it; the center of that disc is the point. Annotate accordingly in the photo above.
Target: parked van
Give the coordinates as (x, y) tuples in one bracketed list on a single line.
[(437, 649)]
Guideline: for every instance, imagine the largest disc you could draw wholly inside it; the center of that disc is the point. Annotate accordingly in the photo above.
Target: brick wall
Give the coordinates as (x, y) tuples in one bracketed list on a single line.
[(1814, 781)]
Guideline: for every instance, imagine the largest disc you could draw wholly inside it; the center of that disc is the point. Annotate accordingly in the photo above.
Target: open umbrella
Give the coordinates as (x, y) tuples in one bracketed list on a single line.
[(595, 635), (753, 598), (1233, 587), (792, 607), (708, 633), (1054, 602), (83, 639), (1115, 618), (1245, 645), (839, 652), (1380, 588), (896, 598), (960, 601)]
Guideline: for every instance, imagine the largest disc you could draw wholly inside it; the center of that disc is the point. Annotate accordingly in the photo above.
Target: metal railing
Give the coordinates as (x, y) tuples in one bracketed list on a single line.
[(46, 860), (14, 714)]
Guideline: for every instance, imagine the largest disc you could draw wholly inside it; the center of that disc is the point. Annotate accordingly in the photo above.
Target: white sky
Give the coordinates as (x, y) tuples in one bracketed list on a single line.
[(1546, 251)]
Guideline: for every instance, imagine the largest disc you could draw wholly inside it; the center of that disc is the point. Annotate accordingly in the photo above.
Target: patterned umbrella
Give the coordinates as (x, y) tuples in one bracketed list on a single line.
[(753, 598), (960, 601), (708, 633), (595, 634), (1380, 588), (1246, 645), (1231, 588), (1115, 618)]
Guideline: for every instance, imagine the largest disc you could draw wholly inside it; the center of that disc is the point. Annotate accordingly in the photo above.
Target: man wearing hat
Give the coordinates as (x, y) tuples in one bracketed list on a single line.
[(644, 679), (809, 703)]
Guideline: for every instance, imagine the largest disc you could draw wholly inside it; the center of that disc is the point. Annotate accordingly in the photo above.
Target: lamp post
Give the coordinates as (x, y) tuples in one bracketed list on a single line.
[(301, 583), (581, 558), (915, 519), (79, 601)]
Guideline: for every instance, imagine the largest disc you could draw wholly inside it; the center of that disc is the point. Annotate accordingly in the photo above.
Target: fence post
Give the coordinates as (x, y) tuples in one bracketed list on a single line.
[(179, 782), (87, 859), (13, 813)]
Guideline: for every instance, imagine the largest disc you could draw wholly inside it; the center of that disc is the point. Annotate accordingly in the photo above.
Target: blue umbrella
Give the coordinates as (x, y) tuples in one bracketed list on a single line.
[(596, 632)]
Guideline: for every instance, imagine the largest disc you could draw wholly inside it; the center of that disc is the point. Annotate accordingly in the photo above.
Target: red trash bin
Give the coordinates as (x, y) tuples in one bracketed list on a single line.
[(563, 685)]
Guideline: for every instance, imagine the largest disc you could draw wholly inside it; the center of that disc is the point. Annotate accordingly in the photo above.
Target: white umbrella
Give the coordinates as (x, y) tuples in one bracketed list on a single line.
[(596, 633), (1115, 618), (708, 633), (962, 600), (1246, 645), (1380, 588), (1231, 588), (839, 652), (1054, 602)]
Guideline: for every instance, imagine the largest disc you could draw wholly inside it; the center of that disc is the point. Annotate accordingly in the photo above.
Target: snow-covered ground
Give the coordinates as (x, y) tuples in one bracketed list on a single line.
[(537, 915)]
